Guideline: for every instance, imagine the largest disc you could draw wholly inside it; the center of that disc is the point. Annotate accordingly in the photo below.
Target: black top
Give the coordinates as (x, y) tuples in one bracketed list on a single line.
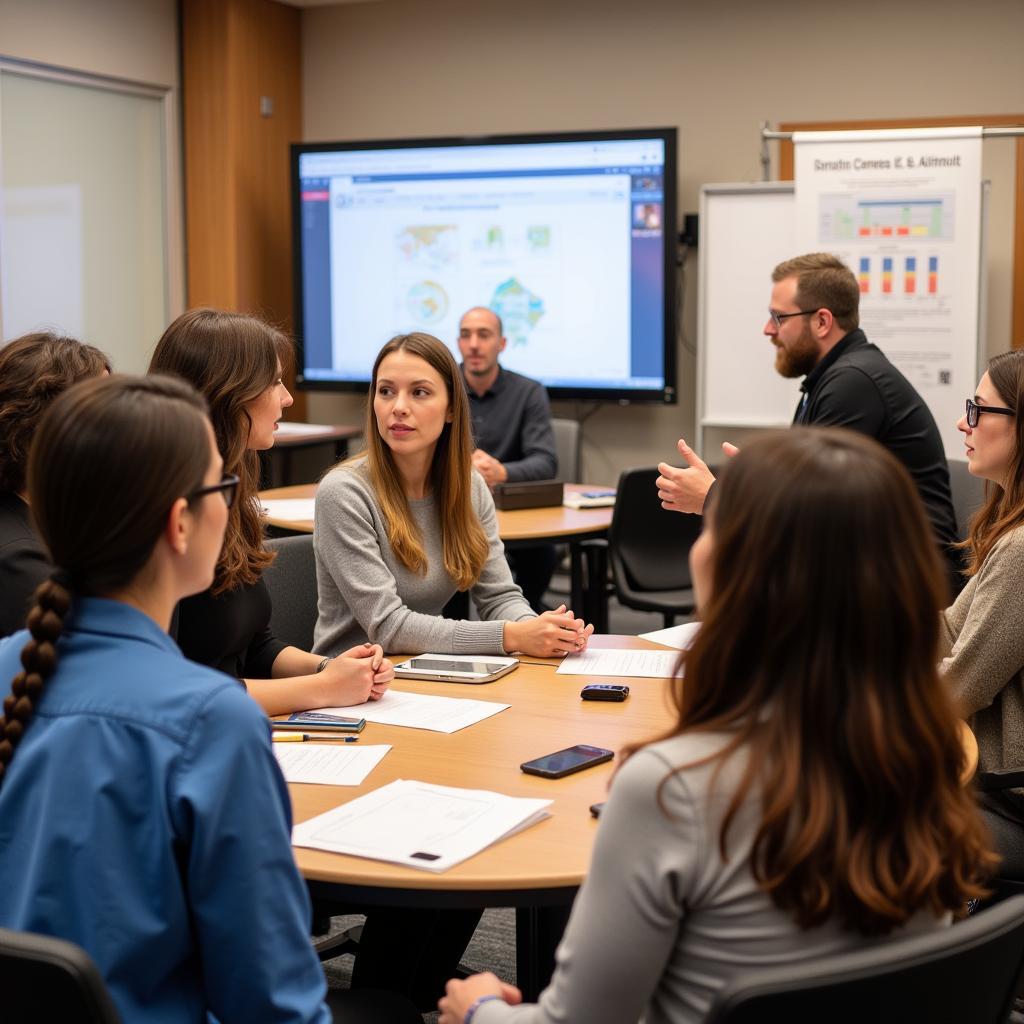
[(512, 423), (856, 386), (24, 563), (229, 632)]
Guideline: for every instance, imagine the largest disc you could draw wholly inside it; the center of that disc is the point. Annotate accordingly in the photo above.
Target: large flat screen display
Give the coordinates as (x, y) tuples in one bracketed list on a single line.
[(570, 239)]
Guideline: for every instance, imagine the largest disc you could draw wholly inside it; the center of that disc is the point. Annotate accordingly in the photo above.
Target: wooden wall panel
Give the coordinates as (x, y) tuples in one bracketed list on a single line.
[(985, 120), (238, 214)]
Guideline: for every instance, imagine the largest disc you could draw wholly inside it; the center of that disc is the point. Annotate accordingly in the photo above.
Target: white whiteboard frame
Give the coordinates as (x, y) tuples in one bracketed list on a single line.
[(173, 211), (707, 193)]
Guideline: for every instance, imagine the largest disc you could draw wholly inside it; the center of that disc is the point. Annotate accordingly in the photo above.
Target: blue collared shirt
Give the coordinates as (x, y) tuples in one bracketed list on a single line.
[(144, 817)]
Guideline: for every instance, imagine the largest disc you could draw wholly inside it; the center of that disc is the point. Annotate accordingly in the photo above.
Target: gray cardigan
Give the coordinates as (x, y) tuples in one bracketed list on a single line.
[(365, 593), (662, 922), (984, 631)]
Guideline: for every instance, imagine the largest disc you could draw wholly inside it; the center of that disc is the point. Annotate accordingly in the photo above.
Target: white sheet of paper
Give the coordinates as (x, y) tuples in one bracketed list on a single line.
[(679, 637), (630, 664), (328, 764), (289, 508), (423, 711), (303, 429), (419, 824)]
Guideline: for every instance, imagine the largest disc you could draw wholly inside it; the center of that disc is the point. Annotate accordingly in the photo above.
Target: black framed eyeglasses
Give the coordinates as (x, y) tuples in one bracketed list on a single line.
[(228, 487), (777, 318), (974, 411)]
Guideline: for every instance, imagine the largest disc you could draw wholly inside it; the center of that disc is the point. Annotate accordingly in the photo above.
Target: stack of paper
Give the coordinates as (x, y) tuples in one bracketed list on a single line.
[(422, 711), (328, 764), (296, 509), (419, 824), (630, 664)]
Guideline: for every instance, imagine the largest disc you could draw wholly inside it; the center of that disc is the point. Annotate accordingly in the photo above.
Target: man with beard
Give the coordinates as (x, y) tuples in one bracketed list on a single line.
[(813, 323)]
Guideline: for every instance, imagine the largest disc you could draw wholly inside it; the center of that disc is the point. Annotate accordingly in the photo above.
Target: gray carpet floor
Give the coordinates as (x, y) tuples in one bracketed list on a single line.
[(493, 948)]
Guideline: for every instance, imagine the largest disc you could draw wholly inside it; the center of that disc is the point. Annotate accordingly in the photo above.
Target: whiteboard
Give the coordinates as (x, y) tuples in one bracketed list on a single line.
[(746, 230)]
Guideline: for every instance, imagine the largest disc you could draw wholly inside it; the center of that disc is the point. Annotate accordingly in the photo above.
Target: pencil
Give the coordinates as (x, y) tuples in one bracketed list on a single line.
[(303, 737)]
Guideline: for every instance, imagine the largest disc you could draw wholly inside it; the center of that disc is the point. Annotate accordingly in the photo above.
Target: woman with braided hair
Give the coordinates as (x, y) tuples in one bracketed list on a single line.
[(142, 812)]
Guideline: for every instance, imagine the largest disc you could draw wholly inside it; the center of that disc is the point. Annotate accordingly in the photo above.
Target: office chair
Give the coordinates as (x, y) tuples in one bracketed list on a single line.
[(567, 446), (649, 548), (291, 580), (964, 973), (48, 979)]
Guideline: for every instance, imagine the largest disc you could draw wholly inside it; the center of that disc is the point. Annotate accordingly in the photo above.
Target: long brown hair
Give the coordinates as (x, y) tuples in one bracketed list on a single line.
[(464, 540), (109, 459), (34, 370), (231, 360), (1004, 505), (818, 654)]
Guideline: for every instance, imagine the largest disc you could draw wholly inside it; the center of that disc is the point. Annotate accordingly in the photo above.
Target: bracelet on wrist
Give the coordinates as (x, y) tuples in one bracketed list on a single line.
[(323, 664), (477, 1003)]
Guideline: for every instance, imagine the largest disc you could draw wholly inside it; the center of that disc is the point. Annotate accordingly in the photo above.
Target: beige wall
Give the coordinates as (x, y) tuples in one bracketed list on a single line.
[(398, 68), (134, 39)]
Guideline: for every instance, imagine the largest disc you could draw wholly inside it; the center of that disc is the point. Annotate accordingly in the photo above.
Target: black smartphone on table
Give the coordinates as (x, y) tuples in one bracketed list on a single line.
[(565, 762)]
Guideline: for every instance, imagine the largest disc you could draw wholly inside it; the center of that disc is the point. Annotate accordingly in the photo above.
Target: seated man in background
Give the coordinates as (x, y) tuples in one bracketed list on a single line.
[(511, 430)]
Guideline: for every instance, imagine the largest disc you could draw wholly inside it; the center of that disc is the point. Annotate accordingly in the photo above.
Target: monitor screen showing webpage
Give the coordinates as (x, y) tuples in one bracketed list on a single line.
[(569, 239)]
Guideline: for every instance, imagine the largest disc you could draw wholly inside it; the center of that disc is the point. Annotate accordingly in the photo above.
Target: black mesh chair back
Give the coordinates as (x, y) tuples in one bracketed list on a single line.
[(966, 973), (649, 548), (44, 979), (291, 580)]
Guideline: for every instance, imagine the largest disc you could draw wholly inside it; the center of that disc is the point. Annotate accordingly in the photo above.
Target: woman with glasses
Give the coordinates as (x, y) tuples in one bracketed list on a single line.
[(235, 362), (984, 628), (142, 812), (34, 370), (806, 798)]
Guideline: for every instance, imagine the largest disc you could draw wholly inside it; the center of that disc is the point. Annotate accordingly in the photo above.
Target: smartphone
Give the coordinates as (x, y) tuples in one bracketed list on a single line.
[(604, 691), (454, 668), (565, 762), (320, 720)]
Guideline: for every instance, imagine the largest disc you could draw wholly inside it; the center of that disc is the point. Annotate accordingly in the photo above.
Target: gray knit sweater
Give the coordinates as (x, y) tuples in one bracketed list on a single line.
[(984, 630), (365, 593)]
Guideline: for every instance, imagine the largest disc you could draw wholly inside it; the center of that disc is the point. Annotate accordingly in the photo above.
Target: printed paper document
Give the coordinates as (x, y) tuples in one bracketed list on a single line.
[(631, 664), (423, 711), (328, 764), (289, 508), (679, 637), (419, 824)]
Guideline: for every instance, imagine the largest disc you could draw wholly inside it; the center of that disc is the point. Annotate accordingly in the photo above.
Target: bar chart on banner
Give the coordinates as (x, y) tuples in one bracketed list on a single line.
[(845, 217), (879, 275)]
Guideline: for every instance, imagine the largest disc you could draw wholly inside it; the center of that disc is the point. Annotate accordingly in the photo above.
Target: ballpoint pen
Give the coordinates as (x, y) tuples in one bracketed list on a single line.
[(303, 737)]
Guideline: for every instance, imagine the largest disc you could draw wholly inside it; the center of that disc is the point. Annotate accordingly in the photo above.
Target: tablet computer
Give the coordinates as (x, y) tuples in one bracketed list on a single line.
[(456, 668)]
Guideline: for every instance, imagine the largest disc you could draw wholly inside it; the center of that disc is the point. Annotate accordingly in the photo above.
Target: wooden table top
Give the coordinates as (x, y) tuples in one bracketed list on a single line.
[(546, 715), (554, 522)]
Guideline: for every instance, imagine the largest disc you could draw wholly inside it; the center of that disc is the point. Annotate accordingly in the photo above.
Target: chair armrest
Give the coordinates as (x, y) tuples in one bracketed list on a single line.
[(1001, 778)]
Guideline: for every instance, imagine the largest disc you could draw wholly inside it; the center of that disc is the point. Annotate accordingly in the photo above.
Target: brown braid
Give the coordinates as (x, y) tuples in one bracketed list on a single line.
[(39, 658), (99, 522)]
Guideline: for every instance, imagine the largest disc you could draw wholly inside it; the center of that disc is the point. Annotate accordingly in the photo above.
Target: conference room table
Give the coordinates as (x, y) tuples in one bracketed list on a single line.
[(522, 528), (538, 870)]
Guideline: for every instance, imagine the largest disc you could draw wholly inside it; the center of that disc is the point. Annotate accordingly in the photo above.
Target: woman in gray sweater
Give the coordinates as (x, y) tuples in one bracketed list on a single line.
[(807, 798), (984, 629), (400, 529)]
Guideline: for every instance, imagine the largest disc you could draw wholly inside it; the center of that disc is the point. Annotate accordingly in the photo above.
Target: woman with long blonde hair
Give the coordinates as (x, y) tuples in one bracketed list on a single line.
[(403, 527), (807, 798)]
